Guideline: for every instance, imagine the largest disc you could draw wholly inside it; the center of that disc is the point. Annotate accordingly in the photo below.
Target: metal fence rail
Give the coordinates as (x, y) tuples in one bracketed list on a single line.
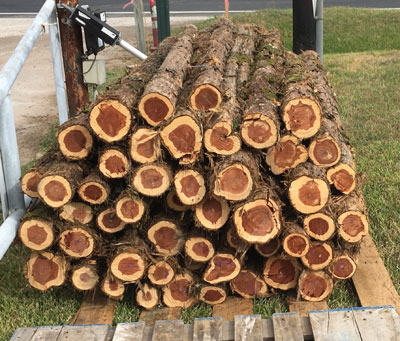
[(12, 199)]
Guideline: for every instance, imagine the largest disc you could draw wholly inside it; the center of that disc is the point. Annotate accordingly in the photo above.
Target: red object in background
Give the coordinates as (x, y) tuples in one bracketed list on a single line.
[(153, 11)]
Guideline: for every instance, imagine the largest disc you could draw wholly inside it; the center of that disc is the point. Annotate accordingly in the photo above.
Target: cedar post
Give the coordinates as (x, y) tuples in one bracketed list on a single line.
[(304, 26), (72, 50)]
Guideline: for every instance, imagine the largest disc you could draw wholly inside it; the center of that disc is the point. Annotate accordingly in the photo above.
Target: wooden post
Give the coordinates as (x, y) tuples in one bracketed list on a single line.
[(72, 50), (140, 32), (304, 26)]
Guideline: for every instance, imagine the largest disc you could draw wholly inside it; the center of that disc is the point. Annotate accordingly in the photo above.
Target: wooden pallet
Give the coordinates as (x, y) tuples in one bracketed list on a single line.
[(357, 324)]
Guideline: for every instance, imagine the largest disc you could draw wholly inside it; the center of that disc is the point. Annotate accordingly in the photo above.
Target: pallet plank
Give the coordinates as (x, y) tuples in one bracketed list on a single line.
[(129, 331), (372, 281), (23, 333), (207, 329), (231, 307), (47, 333), (248, 328), (98, 332), (151, 316), (287, 327), (168, 330), (304, 307)]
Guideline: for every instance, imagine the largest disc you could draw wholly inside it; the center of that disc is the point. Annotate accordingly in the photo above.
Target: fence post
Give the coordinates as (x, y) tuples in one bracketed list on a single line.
[(140, 33), (164, 28)]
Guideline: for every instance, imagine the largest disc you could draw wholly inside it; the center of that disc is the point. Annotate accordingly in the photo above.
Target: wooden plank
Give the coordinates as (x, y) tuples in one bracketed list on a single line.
[(207, 329), (168, 331), (287, 327), (129, 331), (150, 317), (371, 280), (304, 307), (338, 325), (248, 328), (98, 332), (378, 323), (231, 307), (96, 308), (23, 333), (47, 333)]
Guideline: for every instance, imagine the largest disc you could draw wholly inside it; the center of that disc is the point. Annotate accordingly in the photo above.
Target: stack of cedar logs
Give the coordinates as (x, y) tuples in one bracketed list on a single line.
[(217, 166)]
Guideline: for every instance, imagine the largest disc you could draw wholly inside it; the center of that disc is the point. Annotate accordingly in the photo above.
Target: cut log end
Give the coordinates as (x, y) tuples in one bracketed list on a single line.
[(113, 287), (343, 177), (76, 212), (281, 272), (160, 273), (205, 97), (174, 203), (128, 266), (259, 132), (166, 237), (36, 234), (324, 152), (109, 222), (129, 209), (319, 226), (234, 183), (296, 244), (342, 266), (152, 180), (199, 249), (212, 295), (190, 186), (220, 139), (145, 145), (258, 221), (76, 242), (75, 142), (93, 192), (302, 116), (148, 297), (45, 270), (353, 225), (85, 277), (113, 164), (248, 285), (155, 108), (55, 190), (30, 182), (212, 213), (268, 249), (287, 154), (223, 267), (177, 293), (318, 257), (315, 286), (110, 120), (308, 195)]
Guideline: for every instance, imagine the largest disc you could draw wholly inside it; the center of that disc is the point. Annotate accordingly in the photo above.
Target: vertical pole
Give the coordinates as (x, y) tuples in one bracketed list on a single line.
[(164, 28), (154, 23), (319, 17), (3, 191), (10, 158), (140, 32), (72, 50), (304, 26), (58, 71)]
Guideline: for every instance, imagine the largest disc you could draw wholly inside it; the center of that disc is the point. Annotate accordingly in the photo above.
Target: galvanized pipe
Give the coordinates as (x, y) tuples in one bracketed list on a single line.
[(9, 229), (58, 70), (128, 47), (3, 190), (319, 17)]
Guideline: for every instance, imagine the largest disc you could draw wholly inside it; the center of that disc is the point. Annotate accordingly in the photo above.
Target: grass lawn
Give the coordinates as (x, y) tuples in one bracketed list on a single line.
[(362, 59)]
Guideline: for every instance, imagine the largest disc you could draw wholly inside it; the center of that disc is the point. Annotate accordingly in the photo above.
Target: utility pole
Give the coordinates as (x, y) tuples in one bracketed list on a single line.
[(140, 32), (304, 26), (72, 51)]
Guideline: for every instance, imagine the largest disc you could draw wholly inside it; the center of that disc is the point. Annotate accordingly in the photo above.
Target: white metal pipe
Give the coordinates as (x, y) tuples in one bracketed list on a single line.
[(15, 63), (3, 191), (320, 29), (58, 70), (9, 229), (128, 47)]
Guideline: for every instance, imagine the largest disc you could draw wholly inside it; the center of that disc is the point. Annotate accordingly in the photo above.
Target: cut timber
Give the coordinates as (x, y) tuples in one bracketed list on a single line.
[(77, 242), (152, 180), (112, 287), (308, 189), (288, 153), (182, 135), (147, 297), (174, 203), (199, 249), (295, 241), (212, 294), (76, 212), (343, 177), (223, 267), (110, 120), (160, 273), (85, 277), (212, 213), (74, 138), (109, 222), (315, 285), (230, 308), (342, 266), (268, 249), (248, 285), (281, 272), (304, 307), (45, 270), (220, 139), (161, 93), (93, 189), (129, 208), (190, 186), (166, 237), (235, 242), (128, 265), (113, 163), (177, 293), (57, 186), (145, 145), (319, 226), (318, 256), (30, 182)]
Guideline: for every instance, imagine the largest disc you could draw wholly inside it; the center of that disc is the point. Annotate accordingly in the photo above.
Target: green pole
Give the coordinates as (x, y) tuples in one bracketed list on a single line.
[(164, 29)]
